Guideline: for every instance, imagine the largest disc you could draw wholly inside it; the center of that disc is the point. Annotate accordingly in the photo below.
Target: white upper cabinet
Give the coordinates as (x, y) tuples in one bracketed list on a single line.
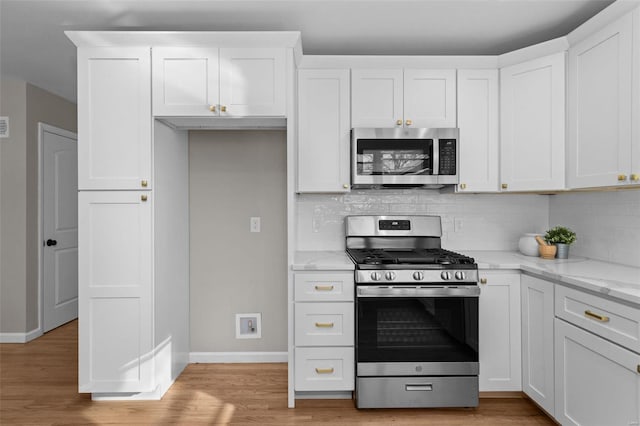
[(532, 105), (185, 81), (478, 123), (397, 98), (226, 82), (376, 98), (323, 130), (600, 108), (114, 118)]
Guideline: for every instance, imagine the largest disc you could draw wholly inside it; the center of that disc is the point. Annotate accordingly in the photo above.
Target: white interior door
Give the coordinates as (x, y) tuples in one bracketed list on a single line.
[(59, 226)]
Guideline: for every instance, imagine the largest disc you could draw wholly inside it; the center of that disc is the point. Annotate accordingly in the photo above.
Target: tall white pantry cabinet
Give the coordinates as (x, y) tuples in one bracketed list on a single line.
[(133, 230), (138, 95)]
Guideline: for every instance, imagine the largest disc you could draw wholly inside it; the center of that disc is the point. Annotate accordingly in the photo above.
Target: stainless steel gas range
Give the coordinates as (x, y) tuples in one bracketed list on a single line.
[(416, 315)]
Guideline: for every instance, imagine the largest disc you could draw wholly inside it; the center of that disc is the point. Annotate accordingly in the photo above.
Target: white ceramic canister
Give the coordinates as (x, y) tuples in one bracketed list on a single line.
[(528, 245)]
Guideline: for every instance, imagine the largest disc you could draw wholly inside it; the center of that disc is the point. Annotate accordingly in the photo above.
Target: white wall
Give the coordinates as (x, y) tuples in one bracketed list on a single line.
[(235, 175), (469, 221), (607, 224)]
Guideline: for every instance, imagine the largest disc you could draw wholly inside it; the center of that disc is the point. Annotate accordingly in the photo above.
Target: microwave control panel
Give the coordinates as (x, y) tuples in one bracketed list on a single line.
[(447, 152)]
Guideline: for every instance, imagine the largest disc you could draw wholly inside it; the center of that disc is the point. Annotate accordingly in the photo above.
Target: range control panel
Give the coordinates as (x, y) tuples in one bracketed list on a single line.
[(394, 225)]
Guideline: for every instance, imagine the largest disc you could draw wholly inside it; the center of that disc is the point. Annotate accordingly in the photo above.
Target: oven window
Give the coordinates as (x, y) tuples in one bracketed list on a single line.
[(395, 157), (436, 329)]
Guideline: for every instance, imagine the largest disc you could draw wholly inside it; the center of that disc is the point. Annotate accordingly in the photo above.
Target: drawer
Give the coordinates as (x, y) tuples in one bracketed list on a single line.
[(612, 320), (324, 324), (323, 286), (324, 369)]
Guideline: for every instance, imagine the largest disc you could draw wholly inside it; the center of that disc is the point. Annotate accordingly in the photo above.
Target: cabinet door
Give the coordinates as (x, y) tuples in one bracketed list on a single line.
[(252, 82), (429, 98), (532, 105), (185, 81), (635, 107), (114, 118), (598, 382), (324, 131), (114, 288), (600, 107), (376, 98), (537, 341), (499, 332), (478, 123)]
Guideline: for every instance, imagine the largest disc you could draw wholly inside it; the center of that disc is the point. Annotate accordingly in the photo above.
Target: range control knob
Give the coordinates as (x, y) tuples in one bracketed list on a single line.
[(390, 275), (418, 276), (376, 276), (460, 275), (445, 275)]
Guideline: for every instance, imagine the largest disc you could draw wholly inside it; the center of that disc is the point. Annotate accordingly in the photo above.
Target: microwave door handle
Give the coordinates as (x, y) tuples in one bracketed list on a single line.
[(436, 156)]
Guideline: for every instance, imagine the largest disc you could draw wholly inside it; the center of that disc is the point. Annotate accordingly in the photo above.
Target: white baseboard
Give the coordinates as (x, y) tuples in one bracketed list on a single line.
[(20, 337), (236, 357)]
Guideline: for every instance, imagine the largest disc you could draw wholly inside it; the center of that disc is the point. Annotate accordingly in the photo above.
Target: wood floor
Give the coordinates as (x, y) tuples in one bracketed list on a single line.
[(38, 385)]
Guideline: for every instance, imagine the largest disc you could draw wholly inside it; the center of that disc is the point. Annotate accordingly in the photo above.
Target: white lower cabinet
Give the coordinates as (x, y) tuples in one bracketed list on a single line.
[(324, 369), (499, 331), (598, 382), (115, 291), (324, 331), (537, 341)]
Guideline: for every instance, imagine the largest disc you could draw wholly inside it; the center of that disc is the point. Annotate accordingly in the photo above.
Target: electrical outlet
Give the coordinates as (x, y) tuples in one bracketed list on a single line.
[(249, 326), (458, 224), (254, 224)]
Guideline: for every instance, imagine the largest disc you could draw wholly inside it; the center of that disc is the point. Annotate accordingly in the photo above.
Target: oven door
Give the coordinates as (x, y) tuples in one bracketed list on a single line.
[(406, 331)]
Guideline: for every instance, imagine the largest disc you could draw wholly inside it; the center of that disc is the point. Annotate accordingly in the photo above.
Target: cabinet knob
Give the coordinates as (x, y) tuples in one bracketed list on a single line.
[(144, 183), (483, 280), (345, 186), (504, 186), (212, 108), (51, 242), (399, 122), (143, 197), (635, 177), (463, 186), (622, 178), (223, 108), (408, 122)]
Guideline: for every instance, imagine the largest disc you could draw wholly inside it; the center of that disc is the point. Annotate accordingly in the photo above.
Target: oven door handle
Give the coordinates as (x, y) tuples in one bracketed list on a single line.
[(416, 291)]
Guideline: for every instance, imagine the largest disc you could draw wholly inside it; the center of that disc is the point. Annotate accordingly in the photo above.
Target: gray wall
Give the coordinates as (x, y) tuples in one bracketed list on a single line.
[(235, 175), (26, 105)]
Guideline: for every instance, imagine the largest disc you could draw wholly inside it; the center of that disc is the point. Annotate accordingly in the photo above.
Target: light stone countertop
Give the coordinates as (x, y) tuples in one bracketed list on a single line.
[(322, 260), (617, 281)]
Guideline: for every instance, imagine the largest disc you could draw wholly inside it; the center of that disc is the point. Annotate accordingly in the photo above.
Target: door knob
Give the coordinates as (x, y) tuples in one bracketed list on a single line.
[(51, 242)]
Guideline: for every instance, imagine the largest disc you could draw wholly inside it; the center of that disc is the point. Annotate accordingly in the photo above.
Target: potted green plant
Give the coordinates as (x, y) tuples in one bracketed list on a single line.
[(562, 237)]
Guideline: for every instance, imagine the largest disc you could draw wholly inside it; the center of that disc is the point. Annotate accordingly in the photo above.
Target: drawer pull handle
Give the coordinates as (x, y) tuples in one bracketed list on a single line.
[(324, 370), (424, 388), (638, 369), (601, 318), (324, 287), (324, 324)]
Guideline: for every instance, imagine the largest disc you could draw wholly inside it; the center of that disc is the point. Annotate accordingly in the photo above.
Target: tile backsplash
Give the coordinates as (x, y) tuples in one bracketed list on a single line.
[(469, 221), (607, 224)]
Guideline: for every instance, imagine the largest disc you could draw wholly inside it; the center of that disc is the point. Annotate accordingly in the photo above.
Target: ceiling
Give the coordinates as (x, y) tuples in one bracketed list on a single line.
[(34, 48)]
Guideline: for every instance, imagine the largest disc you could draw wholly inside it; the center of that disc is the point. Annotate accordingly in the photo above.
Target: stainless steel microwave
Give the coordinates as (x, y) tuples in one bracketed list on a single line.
[(391, 157)]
